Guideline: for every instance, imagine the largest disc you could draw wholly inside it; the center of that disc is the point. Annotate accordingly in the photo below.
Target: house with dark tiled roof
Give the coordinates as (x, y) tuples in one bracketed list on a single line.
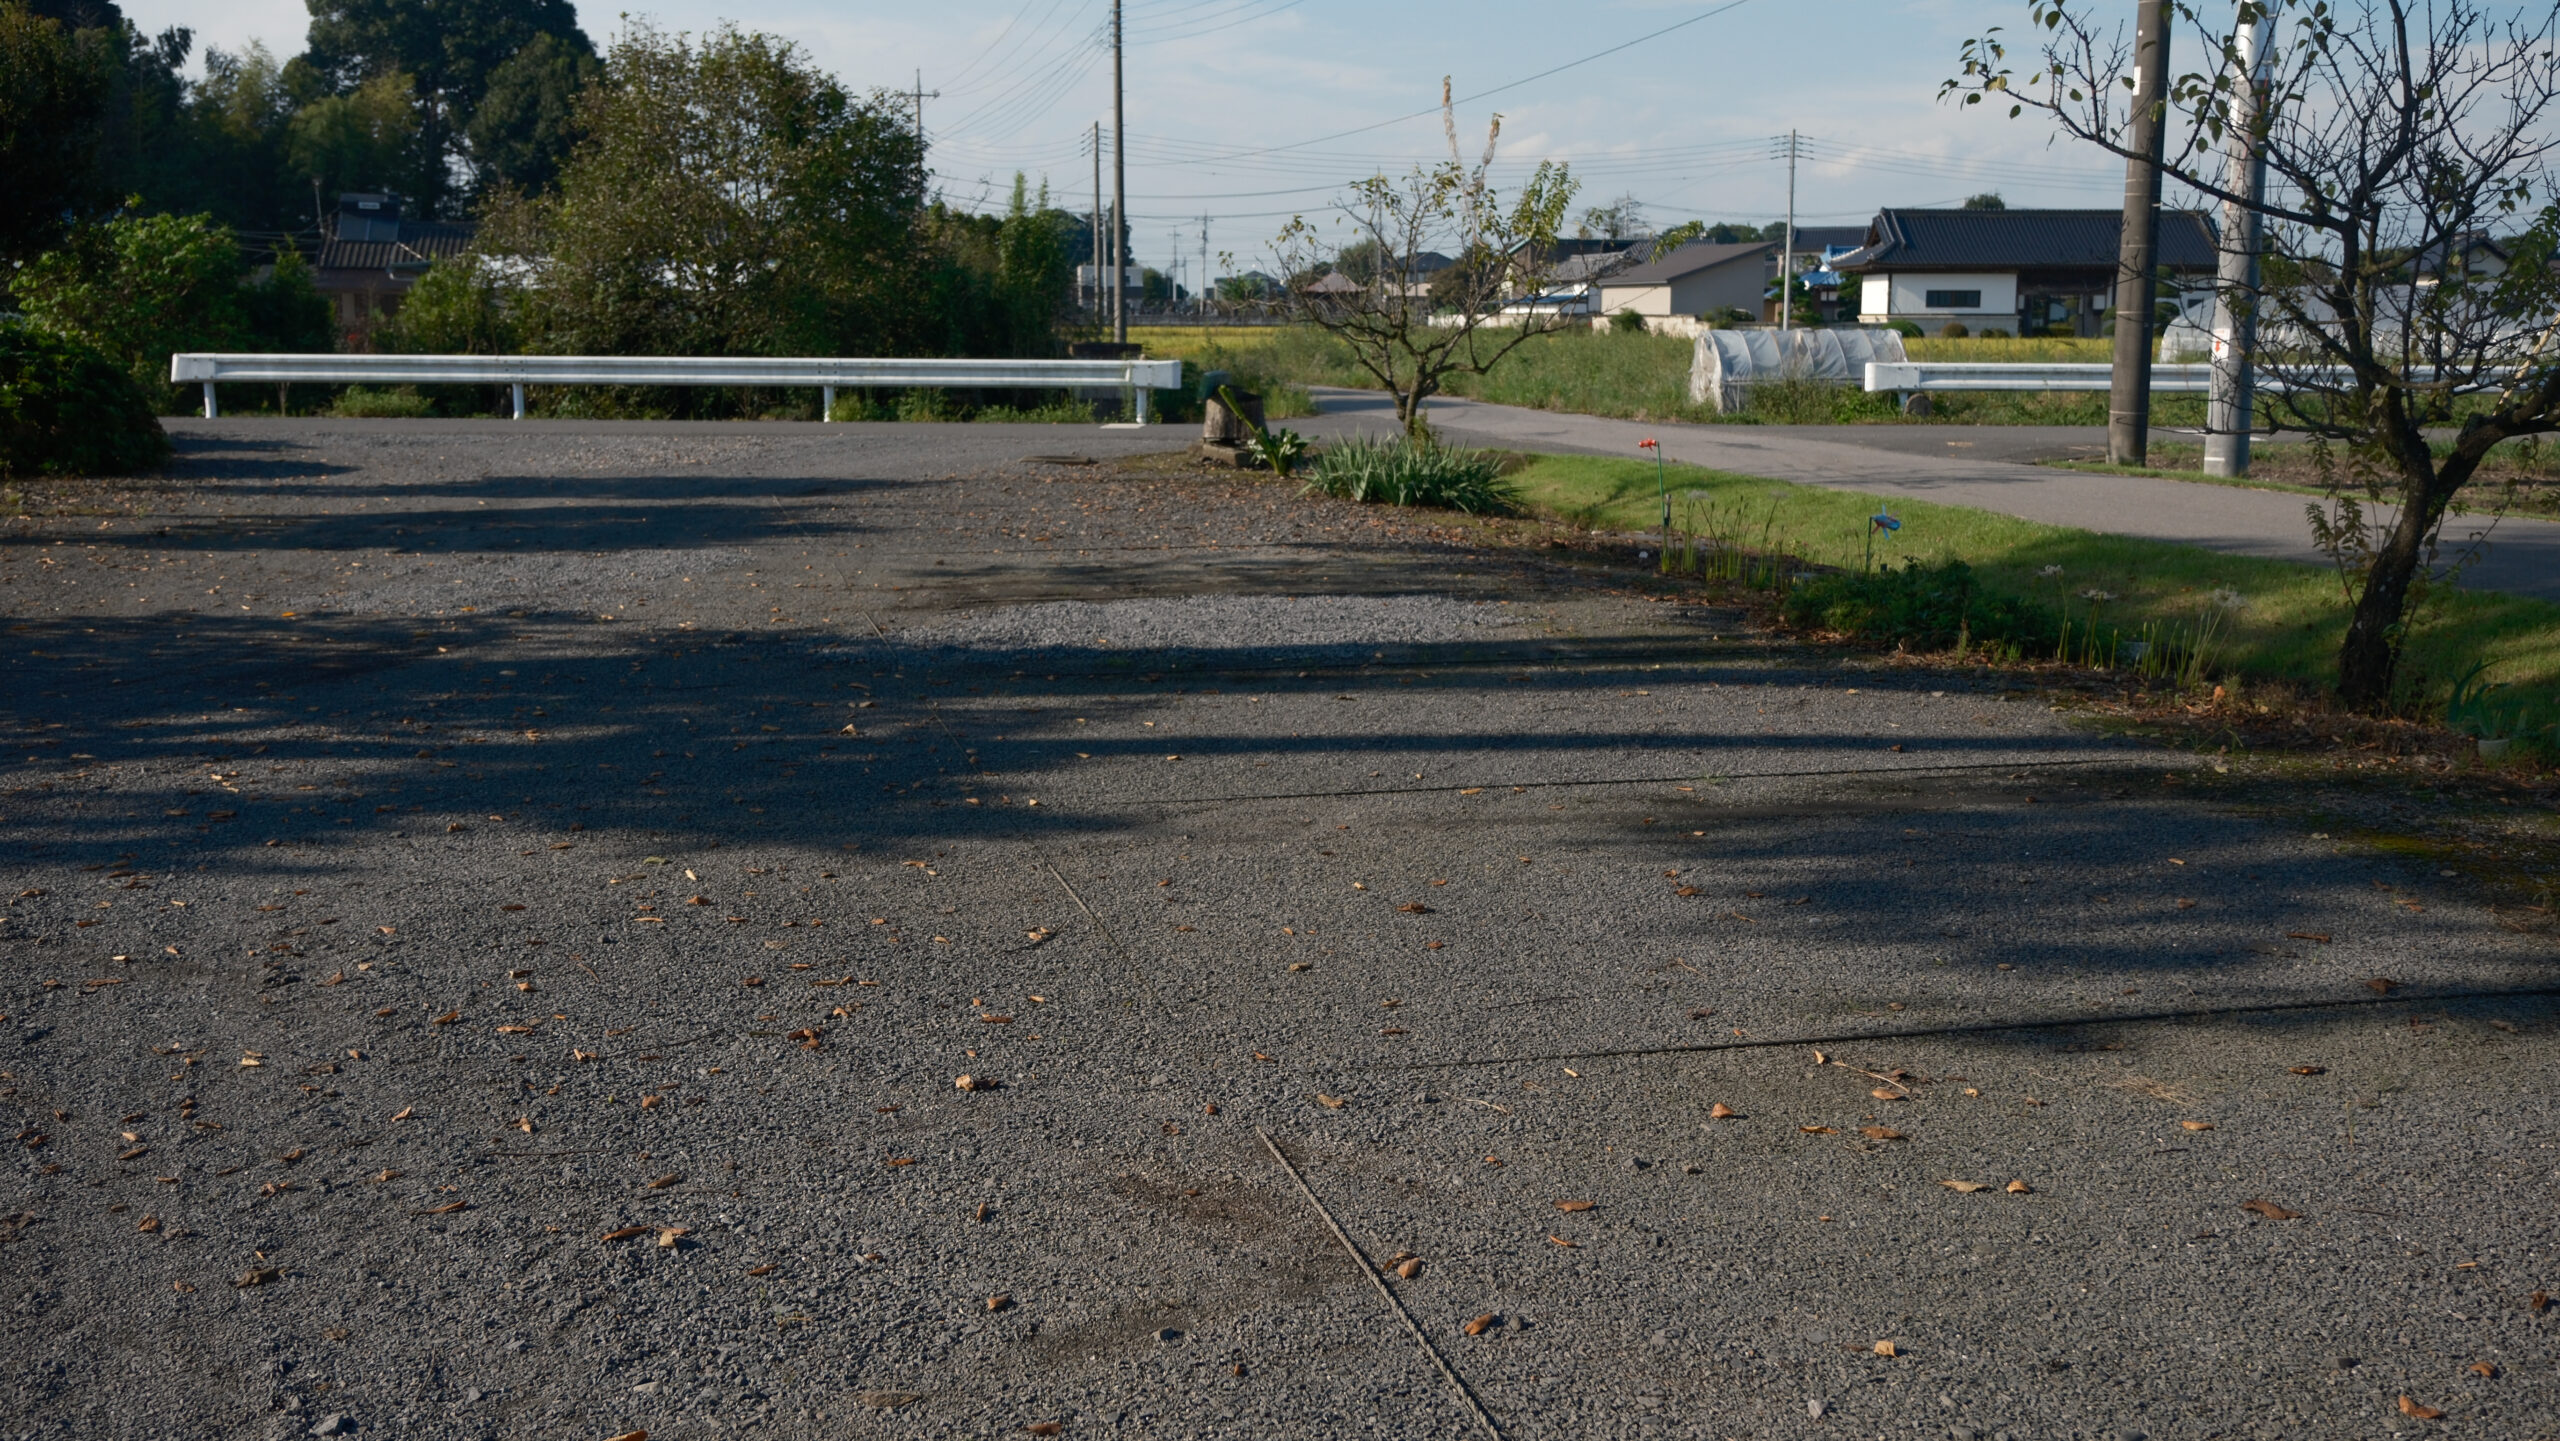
[(2029, 272), (372, 255)]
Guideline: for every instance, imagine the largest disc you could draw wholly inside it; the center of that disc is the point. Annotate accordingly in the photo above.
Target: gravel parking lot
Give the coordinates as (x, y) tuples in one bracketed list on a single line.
[(498, 918)]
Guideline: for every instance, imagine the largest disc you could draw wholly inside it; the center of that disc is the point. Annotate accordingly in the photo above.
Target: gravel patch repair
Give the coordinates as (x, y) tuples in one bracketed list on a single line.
[(567, 930)]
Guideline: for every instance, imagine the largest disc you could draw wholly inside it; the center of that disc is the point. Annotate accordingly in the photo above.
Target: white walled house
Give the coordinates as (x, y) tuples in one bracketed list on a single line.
[(2028, 272), (1696, 279)]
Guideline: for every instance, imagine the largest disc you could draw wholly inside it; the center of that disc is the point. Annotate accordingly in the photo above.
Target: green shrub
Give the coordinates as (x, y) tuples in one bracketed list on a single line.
[(1385, 472), (1627, 322), (1954, 330), (67, 410), (1923, 606), (365, 402)]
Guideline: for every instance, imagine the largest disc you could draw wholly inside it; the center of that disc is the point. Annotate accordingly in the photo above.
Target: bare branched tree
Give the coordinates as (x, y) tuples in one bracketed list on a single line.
[(2399, 142), (1409, 323)]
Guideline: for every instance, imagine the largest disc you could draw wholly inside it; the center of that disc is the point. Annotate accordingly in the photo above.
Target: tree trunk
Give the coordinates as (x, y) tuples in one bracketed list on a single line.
[(2370, 655)]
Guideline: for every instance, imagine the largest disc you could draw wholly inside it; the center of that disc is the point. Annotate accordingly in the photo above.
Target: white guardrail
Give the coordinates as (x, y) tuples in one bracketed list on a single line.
[(824, 374), (1974, 375), (1923, 375)]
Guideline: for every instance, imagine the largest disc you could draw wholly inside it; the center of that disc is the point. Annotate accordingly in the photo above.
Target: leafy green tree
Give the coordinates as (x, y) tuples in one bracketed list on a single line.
[(461, 306), (55, 86), (366, 139), (522, 130), (140, 287), (726, 198), (1987, 200), (452, 49)]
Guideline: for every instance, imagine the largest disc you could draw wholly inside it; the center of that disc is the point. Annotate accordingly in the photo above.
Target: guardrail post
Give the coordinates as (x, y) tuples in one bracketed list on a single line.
[(518, 388), (826, 404), (208, 400), (1138, 403)]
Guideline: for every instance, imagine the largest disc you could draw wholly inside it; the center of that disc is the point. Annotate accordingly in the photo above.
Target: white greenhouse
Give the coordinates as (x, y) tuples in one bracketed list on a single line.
[(1729, 362)]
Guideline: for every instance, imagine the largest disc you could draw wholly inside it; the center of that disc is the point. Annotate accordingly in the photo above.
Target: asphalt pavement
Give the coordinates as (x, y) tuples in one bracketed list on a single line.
[(1990, 467), (494, 920)]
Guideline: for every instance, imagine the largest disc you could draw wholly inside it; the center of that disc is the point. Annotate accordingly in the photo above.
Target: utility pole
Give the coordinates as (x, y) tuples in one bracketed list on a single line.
[(2228, 409), (1204, 267), (922, 95), (2137, 284), (1787, 261), (1119, 190), (1096, 227)]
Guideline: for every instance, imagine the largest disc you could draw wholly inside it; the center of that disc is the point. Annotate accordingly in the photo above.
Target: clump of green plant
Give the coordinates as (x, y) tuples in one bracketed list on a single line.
[(1925, 607), (1710, 538), (1408, 472), (368, 402), (2475, 709), (66, 409)]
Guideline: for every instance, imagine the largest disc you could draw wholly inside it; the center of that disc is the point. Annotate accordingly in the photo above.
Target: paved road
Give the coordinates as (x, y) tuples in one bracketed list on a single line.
[(491, 919), (1990, 467)]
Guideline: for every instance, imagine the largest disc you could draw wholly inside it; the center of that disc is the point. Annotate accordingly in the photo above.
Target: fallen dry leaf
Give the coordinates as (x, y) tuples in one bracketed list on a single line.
[(1570, 1207), (669, 1235), (1885, 1348), (1967, 1187), (900, 1161), (447, 1209), (2409, 1407), (1409, 1268), (2320, 936), (1482, 1324), (1722, 1112), (2020, 1188), (968, 1083), (405, 1113), (448, 1018), (998, 1303), (1819, 1130), (1568, 1245), (259, 1277), (2382, 986), (663, 1182), (2484, 1370), (149, 1224), (1332, 1103), (1880, 1133), (2539, 1302), (2269, 1209), (624, 1234), (2311, 1070), (2197, 1125), (630, 1436)]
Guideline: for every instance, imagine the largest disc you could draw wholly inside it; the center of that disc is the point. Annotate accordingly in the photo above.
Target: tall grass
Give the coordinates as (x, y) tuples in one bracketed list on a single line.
[(1642, 376)]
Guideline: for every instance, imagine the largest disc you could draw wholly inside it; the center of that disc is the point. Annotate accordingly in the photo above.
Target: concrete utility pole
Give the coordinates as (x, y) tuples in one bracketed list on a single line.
[(922, 95), (1097, 220), (2228, 409), (1119, 191), (2137, 285), (1787, 257), (1203, 306)]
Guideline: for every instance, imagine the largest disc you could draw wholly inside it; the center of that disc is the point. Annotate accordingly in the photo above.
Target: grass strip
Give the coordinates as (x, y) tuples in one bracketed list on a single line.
[(2288, 626)]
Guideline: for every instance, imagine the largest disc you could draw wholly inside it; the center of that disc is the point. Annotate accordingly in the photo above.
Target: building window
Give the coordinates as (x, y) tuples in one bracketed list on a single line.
[(1955, 300)]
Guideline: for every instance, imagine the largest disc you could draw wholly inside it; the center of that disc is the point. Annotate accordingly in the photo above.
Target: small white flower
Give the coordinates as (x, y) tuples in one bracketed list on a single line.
[(2097, 595), (2230, 600), (2049, 572)]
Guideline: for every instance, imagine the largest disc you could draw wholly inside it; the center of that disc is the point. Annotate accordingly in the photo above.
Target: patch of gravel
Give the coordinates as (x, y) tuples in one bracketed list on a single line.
[(443, 584), (1272, 623)]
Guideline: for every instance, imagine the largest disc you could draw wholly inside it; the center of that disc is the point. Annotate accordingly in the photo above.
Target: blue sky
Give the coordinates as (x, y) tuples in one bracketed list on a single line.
[(1238, 109)]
